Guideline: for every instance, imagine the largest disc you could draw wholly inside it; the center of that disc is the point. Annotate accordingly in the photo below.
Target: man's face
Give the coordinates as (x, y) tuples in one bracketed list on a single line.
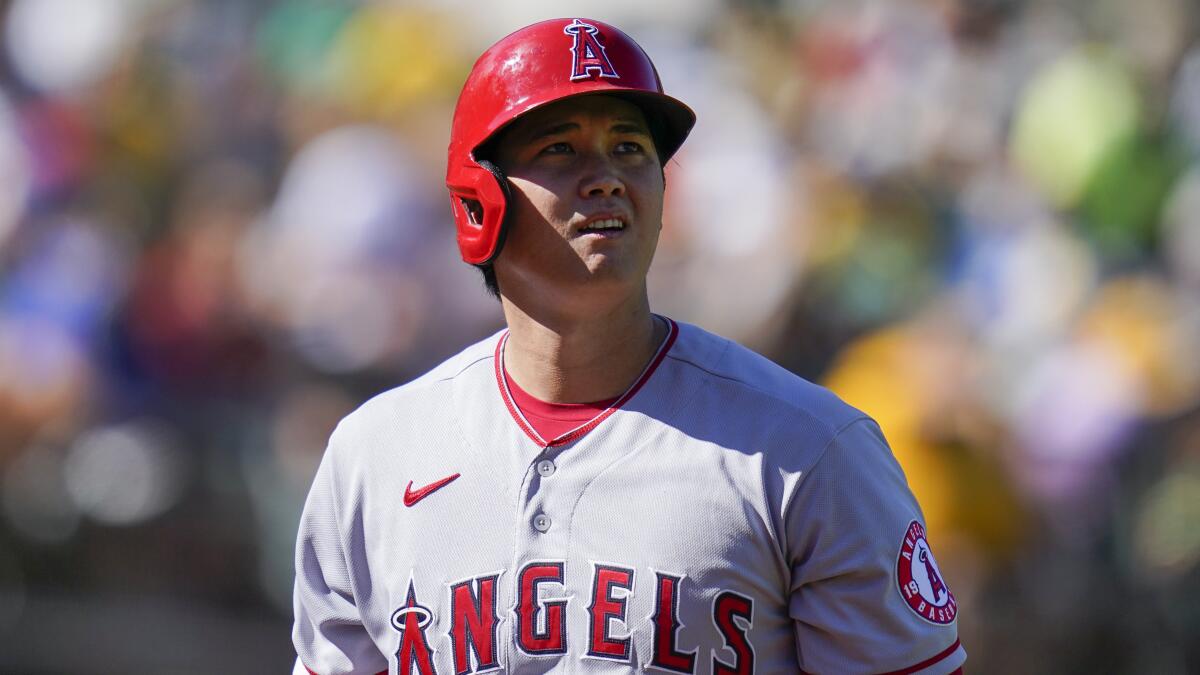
[(587, 201)]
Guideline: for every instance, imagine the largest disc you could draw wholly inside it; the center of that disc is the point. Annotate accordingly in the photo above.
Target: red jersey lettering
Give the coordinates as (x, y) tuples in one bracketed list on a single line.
[(666, 628), (727, 609), (604, 608), (473, 624), (411, 620), (531, 639)]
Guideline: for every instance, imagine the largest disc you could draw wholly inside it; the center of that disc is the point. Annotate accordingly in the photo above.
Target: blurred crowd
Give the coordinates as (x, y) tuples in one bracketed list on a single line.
[(223, 226)]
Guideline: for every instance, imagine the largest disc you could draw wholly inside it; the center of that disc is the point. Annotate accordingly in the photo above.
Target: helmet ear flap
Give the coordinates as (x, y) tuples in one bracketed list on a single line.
[(499, 215), (480, 213)]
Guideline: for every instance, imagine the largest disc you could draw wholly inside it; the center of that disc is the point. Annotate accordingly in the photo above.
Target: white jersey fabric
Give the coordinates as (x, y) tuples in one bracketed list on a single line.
[(724, 516)]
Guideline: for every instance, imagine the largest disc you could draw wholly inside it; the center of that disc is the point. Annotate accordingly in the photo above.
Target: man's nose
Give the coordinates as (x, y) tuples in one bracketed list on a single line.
[(601, 179)]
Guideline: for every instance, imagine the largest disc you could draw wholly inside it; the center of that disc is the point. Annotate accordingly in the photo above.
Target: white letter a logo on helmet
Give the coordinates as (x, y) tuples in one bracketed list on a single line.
[(588, 56)]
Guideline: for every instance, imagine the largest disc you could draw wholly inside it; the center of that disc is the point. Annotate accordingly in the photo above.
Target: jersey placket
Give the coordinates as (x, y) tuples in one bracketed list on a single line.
[(539, 590), (552, 588), (554, 479), (543, 596)]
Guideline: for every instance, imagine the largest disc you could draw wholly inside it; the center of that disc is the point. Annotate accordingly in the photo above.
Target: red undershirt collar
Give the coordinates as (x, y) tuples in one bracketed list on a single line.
[(551, 424)]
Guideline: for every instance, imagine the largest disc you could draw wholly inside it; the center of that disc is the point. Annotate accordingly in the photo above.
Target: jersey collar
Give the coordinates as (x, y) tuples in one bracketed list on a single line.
[(581, 430)]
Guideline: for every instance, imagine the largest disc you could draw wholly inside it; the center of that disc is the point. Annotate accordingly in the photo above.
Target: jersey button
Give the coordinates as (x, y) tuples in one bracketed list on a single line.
[(541, 522), (545, 468)]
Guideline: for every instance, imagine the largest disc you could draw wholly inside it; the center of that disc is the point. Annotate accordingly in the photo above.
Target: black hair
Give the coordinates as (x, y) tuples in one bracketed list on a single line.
[(489, 280)]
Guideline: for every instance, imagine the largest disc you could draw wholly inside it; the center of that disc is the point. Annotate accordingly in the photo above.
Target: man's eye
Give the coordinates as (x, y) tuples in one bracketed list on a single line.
[(626, 147), (557, 149)]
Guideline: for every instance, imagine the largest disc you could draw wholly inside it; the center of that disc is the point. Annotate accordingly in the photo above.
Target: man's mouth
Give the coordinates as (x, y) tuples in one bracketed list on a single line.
[(604, 225)]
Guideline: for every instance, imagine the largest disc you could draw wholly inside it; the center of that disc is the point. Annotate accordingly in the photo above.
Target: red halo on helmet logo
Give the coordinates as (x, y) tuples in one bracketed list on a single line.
[(587, 53), (920, 581)]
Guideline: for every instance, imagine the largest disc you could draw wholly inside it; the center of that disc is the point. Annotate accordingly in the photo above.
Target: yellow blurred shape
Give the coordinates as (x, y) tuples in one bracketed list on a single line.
[(387, 58), (878, 375), (834, 214), (914, 379), (1140, 320)]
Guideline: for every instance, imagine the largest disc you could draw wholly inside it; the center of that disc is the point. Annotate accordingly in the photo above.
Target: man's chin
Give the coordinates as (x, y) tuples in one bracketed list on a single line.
[(607, 273)]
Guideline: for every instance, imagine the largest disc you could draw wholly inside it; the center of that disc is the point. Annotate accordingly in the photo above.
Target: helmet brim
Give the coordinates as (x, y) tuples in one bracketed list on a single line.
[(670, 120)]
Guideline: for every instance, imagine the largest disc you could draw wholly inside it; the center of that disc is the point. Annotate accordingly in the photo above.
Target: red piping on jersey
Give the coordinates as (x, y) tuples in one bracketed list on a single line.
[(502, 383), (922, 665), (927, 662), (552, 419), (312, 672)]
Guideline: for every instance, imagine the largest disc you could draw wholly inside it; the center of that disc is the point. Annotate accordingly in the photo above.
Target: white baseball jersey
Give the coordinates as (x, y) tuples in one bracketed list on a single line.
[(723, 516)]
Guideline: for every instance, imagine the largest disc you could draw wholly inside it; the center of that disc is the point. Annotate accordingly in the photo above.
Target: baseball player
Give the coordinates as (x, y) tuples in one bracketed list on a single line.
[(599, 489)]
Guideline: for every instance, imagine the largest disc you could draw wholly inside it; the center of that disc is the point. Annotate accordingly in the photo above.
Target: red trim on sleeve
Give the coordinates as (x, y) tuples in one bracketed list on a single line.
[(922, 665), (525, 426), (928, 662)]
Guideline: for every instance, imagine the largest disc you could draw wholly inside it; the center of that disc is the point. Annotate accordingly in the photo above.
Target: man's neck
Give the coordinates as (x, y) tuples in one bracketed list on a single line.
[(569, 359)]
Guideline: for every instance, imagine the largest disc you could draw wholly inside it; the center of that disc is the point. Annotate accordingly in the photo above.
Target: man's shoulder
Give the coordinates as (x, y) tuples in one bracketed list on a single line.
[(423, 395), (766, 386)]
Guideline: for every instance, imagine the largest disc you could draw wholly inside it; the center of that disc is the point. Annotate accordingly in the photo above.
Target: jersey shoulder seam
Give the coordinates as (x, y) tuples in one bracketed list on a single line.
[(783, 544), (429, 379), (862, 417), (790, 404), (466, 366)]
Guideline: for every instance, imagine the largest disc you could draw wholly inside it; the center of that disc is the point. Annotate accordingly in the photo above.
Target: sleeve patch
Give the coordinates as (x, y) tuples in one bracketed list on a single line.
[(920, 581)]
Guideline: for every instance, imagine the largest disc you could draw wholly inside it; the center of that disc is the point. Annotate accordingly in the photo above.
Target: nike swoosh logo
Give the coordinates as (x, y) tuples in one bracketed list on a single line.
[(412, 496)]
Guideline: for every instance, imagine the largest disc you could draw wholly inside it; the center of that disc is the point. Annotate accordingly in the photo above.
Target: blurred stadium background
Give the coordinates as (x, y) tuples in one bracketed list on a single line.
[(222, 225)]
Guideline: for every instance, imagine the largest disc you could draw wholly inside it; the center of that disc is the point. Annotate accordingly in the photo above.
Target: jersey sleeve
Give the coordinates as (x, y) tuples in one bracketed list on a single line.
[(854, 530), (328, 632)]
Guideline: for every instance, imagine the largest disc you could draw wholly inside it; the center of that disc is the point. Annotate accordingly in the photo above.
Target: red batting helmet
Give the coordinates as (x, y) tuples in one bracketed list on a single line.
[(536, 65)]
